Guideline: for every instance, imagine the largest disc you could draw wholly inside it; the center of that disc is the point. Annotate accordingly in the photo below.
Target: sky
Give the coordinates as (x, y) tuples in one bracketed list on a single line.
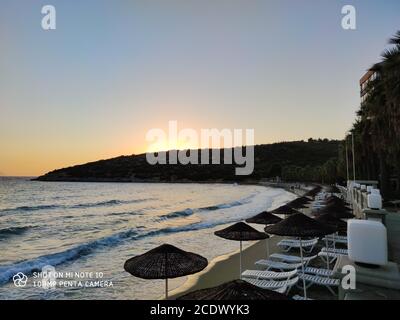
[(113, 70)]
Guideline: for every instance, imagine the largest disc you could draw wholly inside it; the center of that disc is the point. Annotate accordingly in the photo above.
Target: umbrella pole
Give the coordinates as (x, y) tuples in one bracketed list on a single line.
[(266, 241), (302, 269), (327, 248), (240, 261), (166, 289), (334, 240)]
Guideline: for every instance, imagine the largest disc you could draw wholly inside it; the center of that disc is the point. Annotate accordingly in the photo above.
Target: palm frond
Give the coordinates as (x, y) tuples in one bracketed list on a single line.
[(395, 39), (391, 53)]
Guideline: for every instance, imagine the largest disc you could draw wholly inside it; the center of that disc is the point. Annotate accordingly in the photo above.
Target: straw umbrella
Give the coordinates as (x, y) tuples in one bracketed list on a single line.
[(336, 224), (332, 221), (333, 189), (299, 201), (312, 193), (301, 226), (285, 210), (241, 232), (165, 262), (336, 213), (265, 218), (296, 205), (234, 290)]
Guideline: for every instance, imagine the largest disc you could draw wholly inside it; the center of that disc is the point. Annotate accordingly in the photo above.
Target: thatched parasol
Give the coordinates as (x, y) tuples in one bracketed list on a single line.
[(241, 232), (165, 262), (234, 290), (285, 210), (265, 218), (336, 223), (299, 225), (336, 212), (312, 193), (332, 189)]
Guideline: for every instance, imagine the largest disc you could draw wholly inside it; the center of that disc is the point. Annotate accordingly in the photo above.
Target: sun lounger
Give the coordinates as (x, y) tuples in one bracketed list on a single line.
[(268, 275), (291, 259), (326, 282), (333, 250), (319, 272), (281, 290), (336, 239), (329, 255), (300, 298), (273, 285), (277, 265), (307, 245)]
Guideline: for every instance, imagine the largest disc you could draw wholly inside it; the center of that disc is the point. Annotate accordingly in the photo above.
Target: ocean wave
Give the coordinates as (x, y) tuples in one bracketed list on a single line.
[(29, 266), (85, 249), (113, 202), (177, 214), (12, 231), (30, 208), (127, 213), (223, 206), (189, 211)]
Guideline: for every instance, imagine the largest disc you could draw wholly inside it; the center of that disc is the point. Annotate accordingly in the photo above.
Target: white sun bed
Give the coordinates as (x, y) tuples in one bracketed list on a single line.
[(307, 245), (281, 290), (268, 275), (273, 285), (300, 298), (290, 258), (282, 266), (344, 252), (335, 240), (319, 272), (336, 237), (326, 282), (329, 255)]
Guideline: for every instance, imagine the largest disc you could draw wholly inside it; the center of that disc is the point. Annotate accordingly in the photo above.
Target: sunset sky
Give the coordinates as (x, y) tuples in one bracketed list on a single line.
[(112, 70)]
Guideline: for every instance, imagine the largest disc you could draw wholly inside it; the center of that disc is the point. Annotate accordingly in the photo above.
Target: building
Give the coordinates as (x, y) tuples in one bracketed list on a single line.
[(364, 84)]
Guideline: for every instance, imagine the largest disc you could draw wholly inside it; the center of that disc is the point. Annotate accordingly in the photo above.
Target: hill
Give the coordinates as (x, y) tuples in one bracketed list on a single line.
[(287, 159)]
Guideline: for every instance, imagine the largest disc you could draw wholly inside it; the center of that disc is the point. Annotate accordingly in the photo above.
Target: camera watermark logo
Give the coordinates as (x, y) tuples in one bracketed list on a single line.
[(210, 141), (20, 280), (49, 277)]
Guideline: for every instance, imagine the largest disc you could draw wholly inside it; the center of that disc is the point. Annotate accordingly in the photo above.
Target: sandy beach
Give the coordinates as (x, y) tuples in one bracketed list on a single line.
[(226, 268)]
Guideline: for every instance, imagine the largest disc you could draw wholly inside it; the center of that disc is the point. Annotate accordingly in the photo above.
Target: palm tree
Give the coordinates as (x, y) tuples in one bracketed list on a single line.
[(377, 128)]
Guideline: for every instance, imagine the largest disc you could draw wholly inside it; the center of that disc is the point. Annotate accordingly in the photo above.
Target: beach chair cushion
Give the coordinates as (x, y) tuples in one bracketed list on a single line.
[(268, 275), (319, 272), (318, 280), (272, 285), (270, 264), (337, 251), (290, 258)]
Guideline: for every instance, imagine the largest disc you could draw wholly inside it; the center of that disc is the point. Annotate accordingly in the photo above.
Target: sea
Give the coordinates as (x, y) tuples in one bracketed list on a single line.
[(84, 232)]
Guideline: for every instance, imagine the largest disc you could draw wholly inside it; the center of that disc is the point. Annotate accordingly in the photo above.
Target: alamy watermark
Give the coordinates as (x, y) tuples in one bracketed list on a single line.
[(237, 149), (49, 19), (349, 20)]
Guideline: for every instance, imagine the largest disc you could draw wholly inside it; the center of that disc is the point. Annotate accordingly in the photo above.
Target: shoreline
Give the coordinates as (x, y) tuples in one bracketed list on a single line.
[(225, 268)]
